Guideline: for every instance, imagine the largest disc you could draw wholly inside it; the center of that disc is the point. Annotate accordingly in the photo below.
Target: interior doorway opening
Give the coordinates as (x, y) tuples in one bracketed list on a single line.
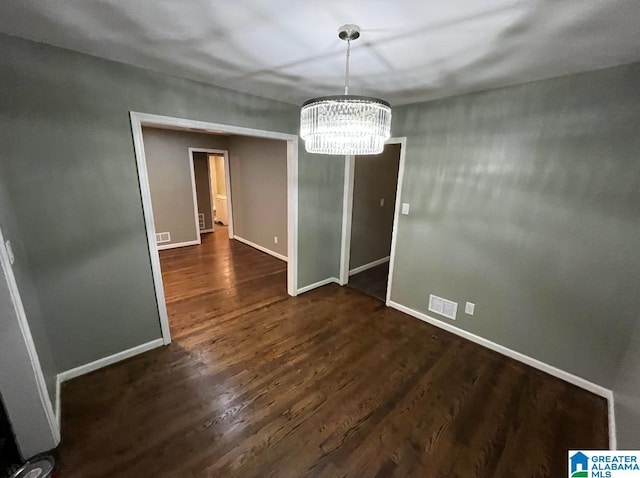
[(286, 241), (372, 191), (211, 189), (219, 196)]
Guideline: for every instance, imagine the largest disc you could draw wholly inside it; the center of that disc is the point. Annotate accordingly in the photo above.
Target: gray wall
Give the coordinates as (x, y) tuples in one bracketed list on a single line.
[(375, 178), (168, 165), (18, 383), (203, 187), (25, 280), (80, 216), (258, 171), (525, 200), (627, 396), (321, 187)]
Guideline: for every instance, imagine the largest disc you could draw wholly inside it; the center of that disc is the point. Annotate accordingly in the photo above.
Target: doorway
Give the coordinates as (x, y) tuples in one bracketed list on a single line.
[(138, 120), (370, 213), (211, 189), (220, 193)]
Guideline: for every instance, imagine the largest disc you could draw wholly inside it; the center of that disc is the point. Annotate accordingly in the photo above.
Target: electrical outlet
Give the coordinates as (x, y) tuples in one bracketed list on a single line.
[(275, 239), (381, 202), (405, 208), (469, 308)]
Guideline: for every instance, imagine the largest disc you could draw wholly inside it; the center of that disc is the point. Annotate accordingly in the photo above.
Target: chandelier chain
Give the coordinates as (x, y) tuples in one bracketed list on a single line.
[(346, 75)]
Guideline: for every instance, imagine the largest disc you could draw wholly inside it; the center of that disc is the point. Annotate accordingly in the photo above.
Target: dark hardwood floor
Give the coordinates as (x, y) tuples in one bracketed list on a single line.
[(331, 384), (372, 282)]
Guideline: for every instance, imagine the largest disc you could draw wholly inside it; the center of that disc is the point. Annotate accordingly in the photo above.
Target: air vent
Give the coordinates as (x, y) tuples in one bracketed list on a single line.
[(443, 307), (163, 237), (201, 220)]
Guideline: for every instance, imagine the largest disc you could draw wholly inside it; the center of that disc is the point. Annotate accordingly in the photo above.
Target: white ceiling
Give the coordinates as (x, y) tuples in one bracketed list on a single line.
[(409, 51)]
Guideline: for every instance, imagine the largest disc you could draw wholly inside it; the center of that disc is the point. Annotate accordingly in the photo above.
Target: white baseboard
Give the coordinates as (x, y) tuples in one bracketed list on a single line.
[(175, 245), (261, 248), (535, 363), (57, 410), (309, 287), (370, 265), (202, 231), (100, 363), (613, 435)]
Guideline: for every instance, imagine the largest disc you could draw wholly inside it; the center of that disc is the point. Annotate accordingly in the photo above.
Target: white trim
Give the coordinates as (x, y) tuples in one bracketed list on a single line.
[(140, 119), (98, 364), (347, 216), (309, 287), (108, 360), (227, 187), (205, 230), (160, 121), (175, 245), (192, 171), (147, 209), (535, 363), (525, 359), (212, 195), (225, 154), (261, 248), (613, 433), (58, 401), (292, 216), (41, 385), (370, 265), (402, 141)]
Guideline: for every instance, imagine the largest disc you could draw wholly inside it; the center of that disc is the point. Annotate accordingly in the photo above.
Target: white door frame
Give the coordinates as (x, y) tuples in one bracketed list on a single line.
[(29, 378), (347, 213), (217, 152), (138, 120)]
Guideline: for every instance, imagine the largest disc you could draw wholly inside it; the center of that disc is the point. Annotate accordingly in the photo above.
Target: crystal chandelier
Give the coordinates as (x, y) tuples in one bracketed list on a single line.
[(345, 124)]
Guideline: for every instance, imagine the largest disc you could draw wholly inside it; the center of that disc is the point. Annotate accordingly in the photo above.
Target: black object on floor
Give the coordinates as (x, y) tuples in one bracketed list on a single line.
[(40, 466), (9, 456)]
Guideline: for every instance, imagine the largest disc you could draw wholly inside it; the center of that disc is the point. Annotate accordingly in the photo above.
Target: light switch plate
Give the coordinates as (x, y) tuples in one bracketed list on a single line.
[(381, 202), (405, 208)]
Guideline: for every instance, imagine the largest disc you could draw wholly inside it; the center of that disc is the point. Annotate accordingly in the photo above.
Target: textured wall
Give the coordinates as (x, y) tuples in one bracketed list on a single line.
[(168, 165), (375, 178), (92, 273), (525, 200), (18, 384), (80, 215), (321, 188), (28, 293), (258, 171), (627, 396)]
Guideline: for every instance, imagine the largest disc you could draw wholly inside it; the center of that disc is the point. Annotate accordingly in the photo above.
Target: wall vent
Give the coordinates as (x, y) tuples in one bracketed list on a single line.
[(163, 237), (443, 307), (201, 221)]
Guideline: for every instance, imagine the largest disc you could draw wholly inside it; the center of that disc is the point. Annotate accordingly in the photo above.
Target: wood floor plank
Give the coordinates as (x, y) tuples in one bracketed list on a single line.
[(331, 383)]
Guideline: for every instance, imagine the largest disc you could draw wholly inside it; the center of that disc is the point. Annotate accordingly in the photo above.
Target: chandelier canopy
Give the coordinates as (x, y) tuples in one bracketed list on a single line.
[(345, 124)]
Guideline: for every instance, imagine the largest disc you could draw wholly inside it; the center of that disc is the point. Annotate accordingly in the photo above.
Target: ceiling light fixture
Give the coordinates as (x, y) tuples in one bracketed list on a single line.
[(345, 124)]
